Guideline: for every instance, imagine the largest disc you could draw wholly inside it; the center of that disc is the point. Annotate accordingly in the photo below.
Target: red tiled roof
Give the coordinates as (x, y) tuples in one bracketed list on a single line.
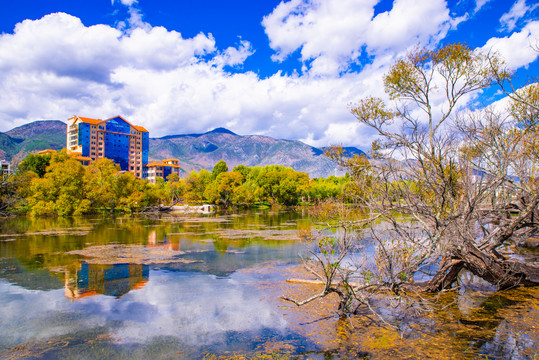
[(90, 121), (46, 151), (161, 164), (140, 128)]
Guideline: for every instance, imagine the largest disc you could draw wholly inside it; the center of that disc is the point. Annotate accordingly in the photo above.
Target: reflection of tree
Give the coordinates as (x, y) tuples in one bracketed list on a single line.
[(114, 280), (46, 245)]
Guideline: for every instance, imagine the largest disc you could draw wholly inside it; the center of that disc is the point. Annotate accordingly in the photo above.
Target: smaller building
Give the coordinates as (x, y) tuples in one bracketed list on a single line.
[(46, 151), (84, 160), (161, 169), (5, 167)]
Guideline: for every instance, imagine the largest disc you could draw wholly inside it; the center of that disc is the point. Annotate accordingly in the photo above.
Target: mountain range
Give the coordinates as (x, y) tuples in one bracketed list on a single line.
[(195, 151)]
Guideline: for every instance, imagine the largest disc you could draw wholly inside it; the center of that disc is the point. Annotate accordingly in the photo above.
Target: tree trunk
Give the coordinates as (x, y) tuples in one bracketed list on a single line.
[(502, 273), (445, 276)]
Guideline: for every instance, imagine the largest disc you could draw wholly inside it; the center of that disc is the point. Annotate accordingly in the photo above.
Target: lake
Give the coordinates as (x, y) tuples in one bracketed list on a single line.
[(209, 287)]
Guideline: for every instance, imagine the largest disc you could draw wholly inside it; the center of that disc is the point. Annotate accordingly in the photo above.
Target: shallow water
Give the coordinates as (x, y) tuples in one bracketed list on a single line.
[(192, 287)]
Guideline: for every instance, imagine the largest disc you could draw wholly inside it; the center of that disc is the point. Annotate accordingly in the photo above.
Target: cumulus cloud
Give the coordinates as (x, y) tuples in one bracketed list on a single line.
[(509, 20), (517, 48), (334, 33), (56, 66), (479, 4), (125, 2)]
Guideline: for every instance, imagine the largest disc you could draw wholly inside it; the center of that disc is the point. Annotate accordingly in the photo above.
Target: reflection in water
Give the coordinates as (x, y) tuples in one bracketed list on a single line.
[(153, 240), (114, 280), (212, 284)]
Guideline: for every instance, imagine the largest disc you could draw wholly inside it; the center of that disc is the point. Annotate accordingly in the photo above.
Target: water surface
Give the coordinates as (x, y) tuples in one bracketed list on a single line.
[(193, 287)]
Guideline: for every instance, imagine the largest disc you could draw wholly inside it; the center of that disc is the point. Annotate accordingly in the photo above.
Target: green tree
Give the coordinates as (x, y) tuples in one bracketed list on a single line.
[(61, 190), (220, 167), (282, 185), (100, 183), (195, 185), (36, 163), (226, 189)]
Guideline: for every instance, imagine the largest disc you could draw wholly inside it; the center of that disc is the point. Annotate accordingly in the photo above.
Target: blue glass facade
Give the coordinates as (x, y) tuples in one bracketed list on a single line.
[(84, 138), (117, 145), (145, 147), (167, 170)]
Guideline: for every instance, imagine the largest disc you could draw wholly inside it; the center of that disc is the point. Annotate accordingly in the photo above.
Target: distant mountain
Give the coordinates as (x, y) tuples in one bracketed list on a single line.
[(202, 151), (219, 130), (38, 135), (195, 151)]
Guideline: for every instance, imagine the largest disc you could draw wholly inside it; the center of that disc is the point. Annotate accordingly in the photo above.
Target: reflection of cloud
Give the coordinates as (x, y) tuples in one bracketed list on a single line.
[(198, 309)]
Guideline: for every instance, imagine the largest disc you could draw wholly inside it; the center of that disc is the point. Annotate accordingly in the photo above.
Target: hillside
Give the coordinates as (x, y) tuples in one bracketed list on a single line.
[(195, 151), (198, 151), (38, 135)]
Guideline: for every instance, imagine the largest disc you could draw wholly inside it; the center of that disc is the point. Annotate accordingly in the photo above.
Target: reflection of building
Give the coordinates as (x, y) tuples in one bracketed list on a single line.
[(166, 243), (113, 280), (161, 169), (114, 139)]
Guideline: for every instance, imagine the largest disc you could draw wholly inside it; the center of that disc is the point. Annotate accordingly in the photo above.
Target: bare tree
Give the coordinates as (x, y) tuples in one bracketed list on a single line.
[(445, 189)]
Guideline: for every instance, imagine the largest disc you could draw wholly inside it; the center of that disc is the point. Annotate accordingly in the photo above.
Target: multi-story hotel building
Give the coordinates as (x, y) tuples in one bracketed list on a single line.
[(114, 138)]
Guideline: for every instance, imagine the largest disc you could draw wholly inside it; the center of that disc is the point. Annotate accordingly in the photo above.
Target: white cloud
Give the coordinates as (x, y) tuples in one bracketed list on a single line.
[(55, 67), (234, 56), (409, 23), (509, 20), (516, 49), (333, 33), (328, 31), (125, 2), (480, 3)]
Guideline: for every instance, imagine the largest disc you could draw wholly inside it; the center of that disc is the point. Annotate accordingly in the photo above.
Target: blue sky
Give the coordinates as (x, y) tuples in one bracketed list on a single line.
[(287, 69)]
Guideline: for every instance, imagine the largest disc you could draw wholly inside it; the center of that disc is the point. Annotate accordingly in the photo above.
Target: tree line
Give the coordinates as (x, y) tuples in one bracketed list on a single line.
[(56, 184)]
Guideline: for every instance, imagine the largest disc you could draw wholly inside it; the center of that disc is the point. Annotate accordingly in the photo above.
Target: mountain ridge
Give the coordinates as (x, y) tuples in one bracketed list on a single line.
[(195, 151)]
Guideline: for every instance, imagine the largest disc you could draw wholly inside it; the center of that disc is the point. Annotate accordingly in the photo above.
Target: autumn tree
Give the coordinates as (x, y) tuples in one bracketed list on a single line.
[(227, 189), (68, 188), (220, 167), (36, 163), (195, 185), (61, 190), (281, 185), (440, 187)]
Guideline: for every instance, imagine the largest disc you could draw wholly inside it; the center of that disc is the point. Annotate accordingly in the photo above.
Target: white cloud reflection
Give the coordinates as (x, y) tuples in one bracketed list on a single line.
[(198, 309)]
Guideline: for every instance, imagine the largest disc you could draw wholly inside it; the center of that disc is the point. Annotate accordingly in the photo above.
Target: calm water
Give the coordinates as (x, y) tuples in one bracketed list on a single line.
[(180, 287)]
